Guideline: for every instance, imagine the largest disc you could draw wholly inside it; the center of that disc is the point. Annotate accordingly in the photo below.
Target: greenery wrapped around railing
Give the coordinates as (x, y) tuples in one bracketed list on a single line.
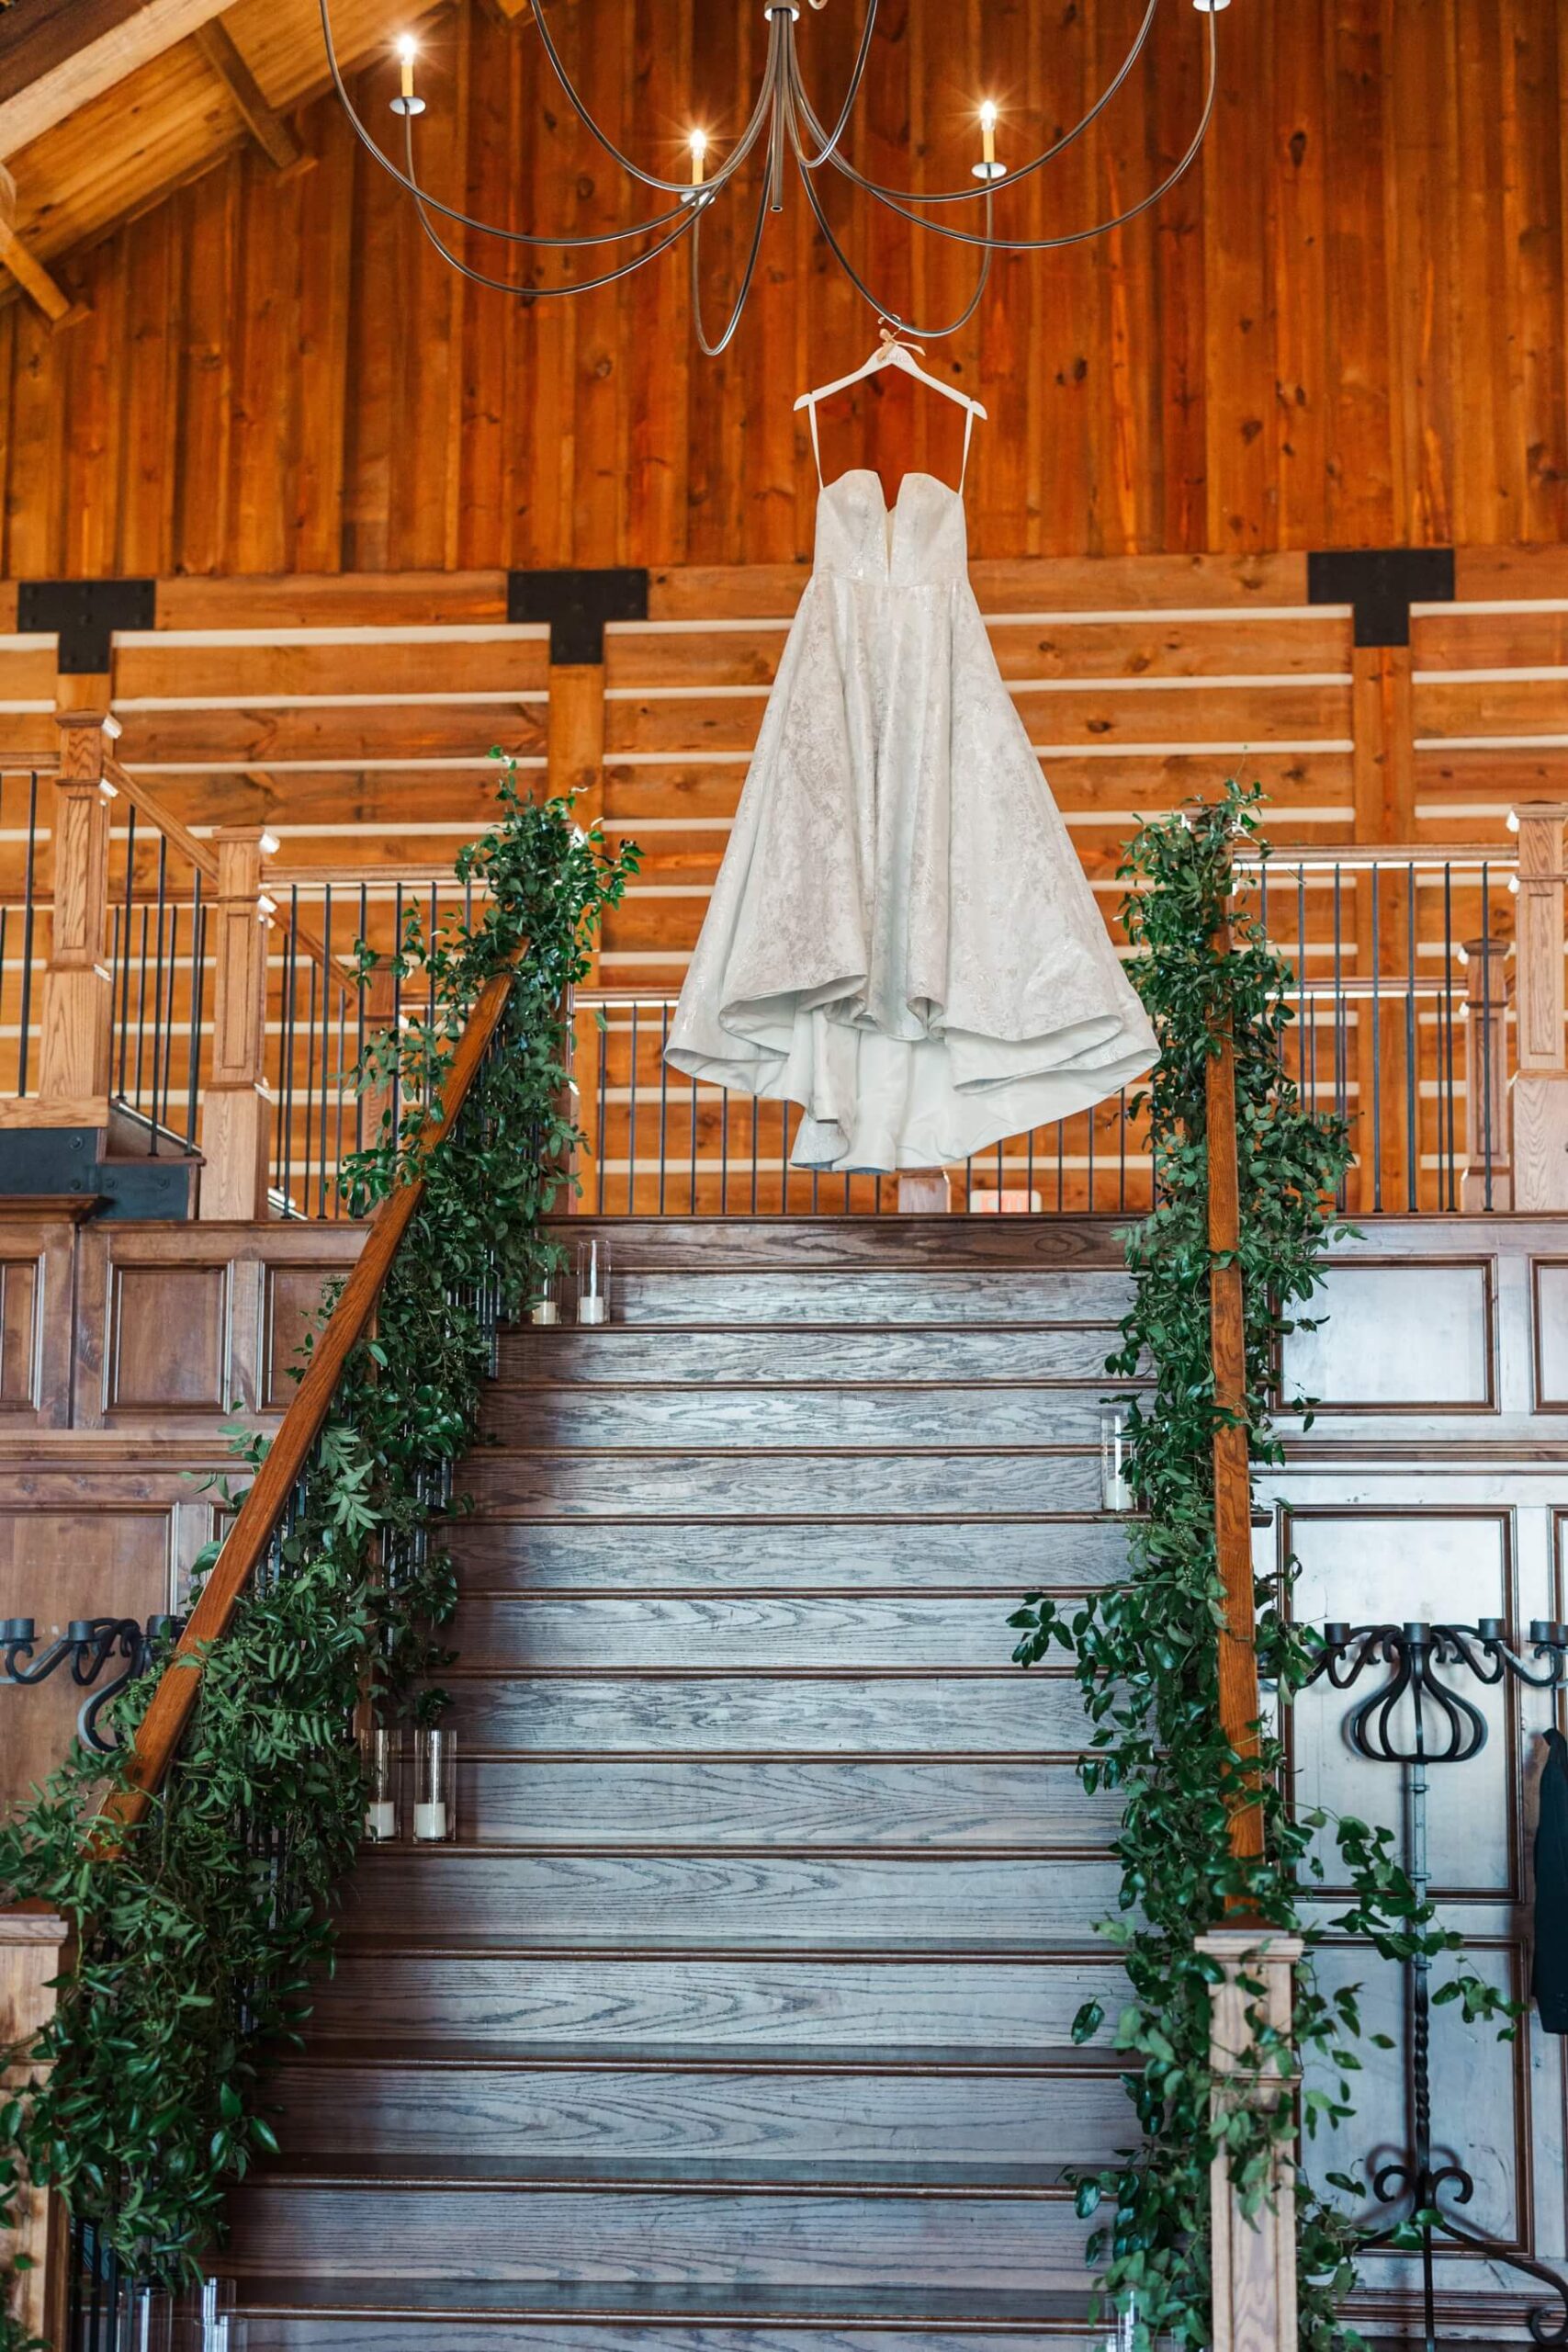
[(201, 1896), (1146, 1654)]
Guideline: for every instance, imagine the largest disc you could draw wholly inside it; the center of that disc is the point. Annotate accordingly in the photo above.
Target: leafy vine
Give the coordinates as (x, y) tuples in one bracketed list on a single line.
[(1144, 1653), (199, 1933)]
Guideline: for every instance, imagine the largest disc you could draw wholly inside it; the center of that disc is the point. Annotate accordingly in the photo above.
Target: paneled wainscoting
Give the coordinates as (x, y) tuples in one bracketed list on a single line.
[(740, 2017)]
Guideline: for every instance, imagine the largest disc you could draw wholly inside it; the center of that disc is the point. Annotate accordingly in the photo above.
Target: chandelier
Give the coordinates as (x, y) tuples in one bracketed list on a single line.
[(784, 124)]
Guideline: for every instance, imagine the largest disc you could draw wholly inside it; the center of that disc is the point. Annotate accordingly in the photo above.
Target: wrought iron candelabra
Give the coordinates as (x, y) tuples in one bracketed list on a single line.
[(1415, 1718), (88, 1643)]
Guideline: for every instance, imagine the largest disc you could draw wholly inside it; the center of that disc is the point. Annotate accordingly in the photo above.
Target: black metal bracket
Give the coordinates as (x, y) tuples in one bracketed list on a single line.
[(84, 615), (1382, 583), (1415, 1718), (88, 1643), (576, 604)]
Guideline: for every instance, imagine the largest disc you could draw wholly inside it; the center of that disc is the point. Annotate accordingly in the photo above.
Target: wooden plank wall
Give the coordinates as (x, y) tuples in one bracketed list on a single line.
[(1347, 328)]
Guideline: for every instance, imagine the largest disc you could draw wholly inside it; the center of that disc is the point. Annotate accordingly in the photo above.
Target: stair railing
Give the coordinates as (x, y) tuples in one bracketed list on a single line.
[(72, 2290), (1253, 2256)]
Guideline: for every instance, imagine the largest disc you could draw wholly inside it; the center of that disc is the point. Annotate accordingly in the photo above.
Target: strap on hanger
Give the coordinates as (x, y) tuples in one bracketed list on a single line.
[(816, 443), (968, 437)]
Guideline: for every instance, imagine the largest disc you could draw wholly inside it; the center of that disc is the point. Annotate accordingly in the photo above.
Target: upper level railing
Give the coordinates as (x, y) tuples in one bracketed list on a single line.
[(210, 1001)]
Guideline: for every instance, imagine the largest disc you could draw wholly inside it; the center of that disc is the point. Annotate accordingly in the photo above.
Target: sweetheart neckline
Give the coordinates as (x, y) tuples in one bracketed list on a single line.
[(869, 473)]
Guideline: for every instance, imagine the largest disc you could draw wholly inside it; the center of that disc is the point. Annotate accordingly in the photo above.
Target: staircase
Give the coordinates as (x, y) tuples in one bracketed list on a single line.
[(739, 2021)]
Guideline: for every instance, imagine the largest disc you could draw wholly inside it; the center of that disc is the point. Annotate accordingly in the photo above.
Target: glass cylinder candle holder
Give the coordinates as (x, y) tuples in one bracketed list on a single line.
[(593, 1281), (215, 2315), (145, 2319), (544, 1298), (382, 1752), (1115, 1459), (434, 1789)]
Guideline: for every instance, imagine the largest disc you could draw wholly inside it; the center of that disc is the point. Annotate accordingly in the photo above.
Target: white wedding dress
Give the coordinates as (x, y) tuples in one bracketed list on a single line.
[(901, 939)]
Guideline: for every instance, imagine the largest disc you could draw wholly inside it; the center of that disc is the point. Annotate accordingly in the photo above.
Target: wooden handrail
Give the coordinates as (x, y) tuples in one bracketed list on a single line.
[(1240, 1704), (205, 860), (174, 1698)]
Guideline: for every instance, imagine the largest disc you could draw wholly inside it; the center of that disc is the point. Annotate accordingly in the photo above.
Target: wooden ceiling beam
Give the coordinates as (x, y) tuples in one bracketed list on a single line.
[(17, 256), (266, 127), (53, 61)]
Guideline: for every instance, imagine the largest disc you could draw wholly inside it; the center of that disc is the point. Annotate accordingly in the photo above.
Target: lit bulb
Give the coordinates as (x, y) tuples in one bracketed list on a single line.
[(270, 844), (988, 136), (408, 50), (698, 144)]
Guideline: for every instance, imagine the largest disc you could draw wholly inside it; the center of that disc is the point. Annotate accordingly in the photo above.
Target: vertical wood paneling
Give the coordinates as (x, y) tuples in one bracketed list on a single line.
[(1347, 327)]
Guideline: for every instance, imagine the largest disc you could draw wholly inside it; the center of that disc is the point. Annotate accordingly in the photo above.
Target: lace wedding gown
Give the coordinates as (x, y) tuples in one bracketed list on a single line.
[(901, 939)]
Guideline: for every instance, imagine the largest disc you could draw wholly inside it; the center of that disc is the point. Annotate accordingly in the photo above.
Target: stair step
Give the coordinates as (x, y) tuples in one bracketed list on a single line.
[(818, 1356), (837, 1295), (661, 2232), (710, 2003), (395, 2314), (784, 1803), (842, 1487), (833, 2121), (984, 1712), (614, 1419), (524, 1634), (974, 1554), (718, 1895)]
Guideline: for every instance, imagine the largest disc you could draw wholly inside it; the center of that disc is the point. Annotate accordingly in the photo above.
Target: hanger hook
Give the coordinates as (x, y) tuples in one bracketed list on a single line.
[(893, 339)]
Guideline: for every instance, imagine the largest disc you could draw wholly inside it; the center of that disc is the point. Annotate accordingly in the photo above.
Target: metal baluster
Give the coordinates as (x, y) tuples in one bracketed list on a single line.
[(694, 1178), (359, 1029), (125, 946), (141, 1007), (398, 1015), (1377, 1042), (1121, 1151), (783, 1163), (1449, 1021), (158, 985), (1301, 987), (29, 873), (724, 1152), (756, 1116), (287, 1090), (341, 1085), (1029, 1180), (197, 992), (663, 1100), (1089, 1122), (631, 1124), (602, 1096), (326, 1034), (310, 1090), (1412, 1125), (1341, 1012), (1485, 1036), (1061, 1165), (160, 1116)]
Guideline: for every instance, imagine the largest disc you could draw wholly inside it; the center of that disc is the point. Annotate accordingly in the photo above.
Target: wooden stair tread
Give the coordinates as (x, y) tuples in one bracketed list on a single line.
[(567, 2300), (351, 2053), (696, 2175)]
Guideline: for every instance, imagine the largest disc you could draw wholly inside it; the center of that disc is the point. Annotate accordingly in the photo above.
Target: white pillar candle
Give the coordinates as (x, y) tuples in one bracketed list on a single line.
[(592, 1310), (544, 1310), (381, 1820), (430, 1823)]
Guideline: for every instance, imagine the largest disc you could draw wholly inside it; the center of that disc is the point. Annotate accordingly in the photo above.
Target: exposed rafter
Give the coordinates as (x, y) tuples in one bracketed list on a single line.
[(266, 127), (53, 61)]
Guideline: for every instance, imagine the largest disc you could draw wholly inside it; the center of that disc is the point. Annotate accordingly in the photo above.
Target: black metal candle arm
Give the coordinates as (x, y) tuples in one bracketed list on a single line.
[(1416, 1720), (88, 1643)]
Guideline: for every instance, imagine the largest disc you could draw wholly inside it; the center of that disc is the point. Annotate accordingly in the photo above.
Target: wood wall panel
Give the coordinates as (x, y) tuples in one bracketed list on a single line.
[(1346, 328)]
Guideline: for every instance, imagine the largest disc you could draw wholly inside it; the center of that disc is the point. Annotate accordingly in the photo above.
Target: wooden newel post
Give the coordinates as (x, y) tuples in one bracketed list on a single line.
[(236, 1111), (32, 1955), (1253, 2256), (1541, 1089), (1488, 1182), (78, 997), (1239, 1702)]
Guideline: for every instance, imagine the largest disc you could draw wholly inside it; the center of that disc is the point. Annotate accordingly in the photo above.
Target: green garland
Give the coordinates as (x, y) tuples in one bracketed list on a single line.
[(194, 1962), (1144, 1653)]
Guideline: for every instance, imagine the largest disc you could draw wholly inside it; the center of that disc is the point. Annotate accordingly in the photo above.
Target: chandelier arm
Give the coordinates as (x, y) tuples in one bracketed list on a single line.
[(766, 97), (966, 194), (884, 310), (410, 184), (1075, 236), (716, 350), (863, 60), (542, 293)]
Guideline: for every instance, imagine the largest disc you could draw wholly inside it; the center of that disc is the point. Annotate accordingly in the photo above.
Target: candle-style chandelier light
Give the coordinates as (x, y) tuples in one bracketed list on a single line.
[(784, 123)]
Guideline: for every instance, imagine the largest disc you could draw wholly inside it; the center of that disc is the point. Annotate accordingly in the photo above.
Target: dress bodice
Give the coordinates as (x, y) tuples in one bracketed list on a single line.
[(921, 541)]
